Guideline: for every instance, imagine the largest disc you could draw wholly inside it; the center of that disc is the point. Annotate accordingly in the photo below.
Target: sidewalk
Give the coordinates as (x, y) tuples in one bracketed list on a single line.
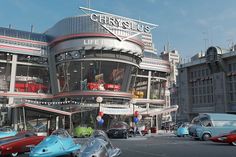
[(163, 133)]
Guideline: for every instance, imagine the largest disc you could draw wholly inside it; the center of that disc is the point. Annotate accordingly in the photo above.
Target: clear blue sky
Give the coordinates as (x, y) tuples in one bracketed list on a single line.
[(188, 25)]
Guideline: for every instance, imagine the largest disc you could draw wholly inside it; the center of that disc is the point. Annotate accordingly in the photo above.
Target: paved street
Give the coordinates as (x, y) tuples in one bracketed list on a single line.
[(171, 146), (168, 145)]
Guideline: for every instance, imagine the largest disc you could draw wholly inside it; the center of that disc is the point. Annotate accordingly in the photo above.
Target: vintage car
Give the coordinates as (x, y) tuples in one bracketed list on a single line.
[(225, 138), (120, 129), (83, 131), (57, 144), (7, 131), (30, 86), (112, 87), (95, 86), (183, 130), (99, 146), (19, 143)]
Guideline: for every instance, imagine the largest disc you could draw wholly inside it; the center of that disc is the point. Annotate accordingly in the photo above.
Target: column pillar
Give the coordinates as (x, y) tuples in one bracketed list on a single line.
[(57, 122)]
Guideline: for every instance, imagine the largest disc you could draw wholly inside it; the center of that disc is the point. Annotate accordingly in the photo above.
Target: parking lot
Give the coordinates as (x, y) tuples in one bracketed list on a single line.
[(168, 145), (172, 146)]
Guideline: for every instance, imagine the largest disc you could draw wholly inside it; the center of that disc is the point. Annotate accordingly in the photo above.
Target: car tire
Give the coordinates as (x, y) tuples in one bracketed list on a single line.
[(14, 154), (206, 136), (233, 143)]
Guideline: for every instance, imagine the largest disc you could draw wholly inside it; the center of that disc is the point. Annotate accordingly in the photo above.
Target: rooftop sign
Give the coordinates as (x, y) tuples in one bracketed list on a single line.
[(120, 23), (110, 22)]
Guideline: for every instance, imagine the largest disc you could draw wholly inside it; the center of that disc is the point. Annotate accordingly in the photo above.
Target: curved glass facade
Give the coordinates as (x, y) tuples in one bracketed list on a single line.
[(94, 75)]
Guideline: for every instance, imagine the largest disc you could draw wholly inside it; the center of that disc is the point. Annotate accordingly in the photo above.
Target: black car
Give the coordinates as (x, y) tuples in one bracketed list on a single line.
[(119, 130)]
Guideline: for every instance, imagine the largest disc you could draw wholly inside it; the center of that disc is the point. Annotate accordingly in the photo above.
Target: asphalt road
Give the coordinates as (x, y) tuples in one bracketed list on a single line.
[(171, 146)]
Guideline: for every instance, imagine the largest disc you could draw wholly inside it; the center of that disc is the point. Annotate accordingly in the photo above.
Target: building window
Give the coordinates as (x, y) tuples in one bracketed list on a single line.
[(95, 75), (32, 79)]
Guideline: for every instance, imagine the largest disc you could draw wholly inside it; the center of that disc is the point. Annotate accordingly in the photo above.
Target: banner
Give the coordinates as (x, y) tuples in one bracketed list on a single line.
[(117, 111)]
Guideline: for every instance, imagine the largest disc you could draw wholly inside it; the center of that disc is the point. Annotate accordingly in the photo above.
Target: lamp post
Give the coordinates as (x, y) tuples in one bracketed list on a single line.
[(99, 100)]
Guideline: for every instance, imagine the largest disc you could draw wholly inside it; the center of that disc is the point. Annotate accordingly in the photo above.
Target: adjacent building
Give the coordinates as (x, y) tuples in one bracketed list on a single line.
[(207, 83), (173, 58)]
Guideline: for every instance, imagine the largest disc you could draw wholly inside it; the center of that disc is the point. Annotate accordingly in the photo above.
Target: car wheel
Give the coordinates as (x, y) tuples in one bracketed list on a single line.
[(14, 154), (206, 137), (233, 143)]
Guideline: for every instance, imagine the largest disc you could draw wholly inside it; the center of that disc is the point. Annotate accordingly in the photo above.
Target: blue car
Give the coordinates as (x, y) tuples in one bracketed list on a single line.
[(7, 131), (183, 130), (57, 144)]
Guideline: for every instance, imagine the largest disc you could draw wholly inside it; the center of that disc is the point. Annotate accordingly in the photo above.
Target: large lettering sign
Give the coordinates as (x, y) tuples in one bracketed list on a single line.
[(112, 22), (120, 23)]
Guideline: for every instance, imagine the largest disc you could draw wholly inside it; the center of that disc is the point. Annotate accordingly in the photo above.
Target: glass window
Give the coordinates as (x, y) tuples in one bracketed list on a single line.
[(140, 88), (5, 74), (32, 59), (157, 90), (230, 67), (94, 75), (5, 56), (224, 123), (32, 79)]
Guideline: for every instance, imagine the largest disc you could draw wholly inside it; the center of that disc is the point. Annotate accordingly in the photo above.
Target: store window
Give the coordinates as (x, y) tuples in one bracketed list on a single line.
[(94, 75), (5, 56), (32, 79), (157, 90), (140, 88), (5, 74)]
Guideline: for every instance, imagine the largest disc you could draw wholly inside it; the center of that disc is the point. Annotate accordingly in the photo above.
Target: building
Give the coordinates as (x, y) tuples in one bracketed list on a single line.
[(173, 58), (58, 75), (207, 83)]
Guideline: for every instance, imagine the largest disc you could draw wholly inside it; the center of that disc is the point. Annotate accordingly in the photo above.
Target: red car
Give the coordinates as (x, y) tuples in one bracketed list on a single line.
[(93, 86), (226, 138), (19, 144), (30, 86), (113, 87)]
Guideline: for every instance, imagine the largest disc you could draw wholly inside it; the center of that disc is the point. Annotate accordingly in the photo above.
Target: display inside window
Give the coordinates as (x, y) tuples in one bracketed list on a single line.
[(94, 75), (32, 79)]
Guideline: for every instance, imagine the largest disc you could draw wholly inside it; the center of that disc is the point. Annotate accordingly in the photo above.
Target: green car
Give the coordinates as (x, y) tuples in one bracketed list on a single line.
[(83, 131)]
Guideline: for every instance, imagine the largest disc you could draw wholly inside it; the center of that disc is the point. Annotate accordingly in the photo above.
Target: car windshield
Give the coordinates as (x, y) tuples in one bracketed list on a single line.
[(119, 125), (61, 133), (185, 125), (93, 145), (5, 129)]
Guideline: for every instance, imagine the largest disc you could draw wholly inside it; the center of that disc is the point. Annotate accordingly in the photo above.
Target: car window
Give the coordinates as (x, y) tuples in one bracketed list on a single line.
[(121, 125), (206, 123), (60, 133)]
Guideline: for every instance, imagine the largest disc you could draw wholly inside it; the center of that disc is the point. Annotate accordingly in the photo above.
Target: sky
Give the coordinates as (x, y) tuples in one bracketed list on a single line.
[(189, 26)]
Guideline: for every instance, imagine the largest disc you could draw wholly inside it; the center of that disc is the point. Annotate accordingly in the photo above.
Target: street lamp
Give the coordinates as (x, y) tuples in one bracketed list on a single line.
[(99, 100)]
